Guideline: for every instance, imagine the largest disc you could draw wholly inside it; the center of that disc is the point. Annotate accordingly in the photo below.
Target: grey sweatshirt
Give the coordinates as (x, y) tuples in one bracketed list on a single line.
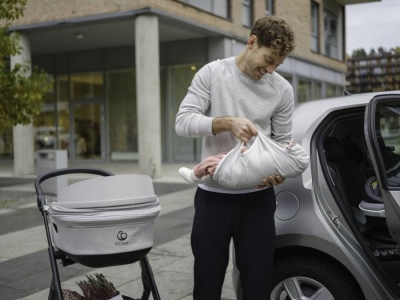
[(221, 89)]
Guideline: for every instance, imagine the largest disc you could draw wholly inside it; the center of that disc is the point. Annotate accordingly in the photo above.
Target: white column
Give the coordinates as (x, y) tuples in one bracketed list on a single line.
[(148, 94), (23, 143)]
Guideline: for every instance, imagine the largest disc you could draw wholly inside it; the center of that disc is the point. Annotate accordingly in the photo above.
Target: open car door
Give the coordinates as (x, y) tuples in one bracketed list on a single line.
[(382, 135)]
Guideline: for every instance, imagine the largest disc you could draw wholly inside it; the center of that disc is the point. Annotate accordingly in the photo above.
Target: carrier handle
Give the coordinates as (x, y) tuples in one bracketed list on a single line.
[(41, 200)]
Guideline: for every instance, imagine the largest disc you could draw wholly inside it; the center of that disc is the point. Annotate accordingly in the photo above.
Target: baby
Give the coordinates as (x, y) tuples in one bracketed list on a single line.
[(207, 166)]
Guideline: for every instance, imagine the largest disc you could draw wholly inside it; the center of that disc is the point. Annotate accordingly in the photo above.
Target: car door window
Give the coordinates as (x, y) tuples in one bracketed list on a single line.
[(381, 128), (387, 130)]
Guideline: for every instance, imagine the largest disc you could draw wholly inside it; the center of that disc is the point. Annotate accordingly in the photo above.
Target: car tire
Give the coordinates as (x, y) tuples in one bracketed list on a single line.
[(305, 277)]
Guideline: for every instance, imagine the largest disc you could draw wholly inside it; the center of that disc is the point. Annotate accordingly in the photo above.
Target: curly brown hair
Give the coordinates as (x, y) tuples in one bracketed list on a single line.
[(274, 32)]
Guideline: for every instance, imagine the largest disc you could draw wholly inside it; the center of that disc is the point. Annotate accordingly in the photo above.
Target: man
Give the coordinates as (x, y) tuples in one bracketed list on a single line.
[(233, 99)]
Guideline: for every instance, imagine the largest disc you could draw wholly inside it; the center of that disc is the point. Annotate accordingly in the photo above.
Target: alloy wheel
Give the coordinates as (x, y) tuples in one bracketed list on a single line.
[(300, 288)]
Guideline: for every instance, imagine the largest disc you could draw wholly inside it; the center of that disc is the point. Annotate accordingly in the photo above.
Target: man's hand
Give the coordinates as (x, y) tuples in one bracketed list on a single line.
[(241, 128), (271, 181)]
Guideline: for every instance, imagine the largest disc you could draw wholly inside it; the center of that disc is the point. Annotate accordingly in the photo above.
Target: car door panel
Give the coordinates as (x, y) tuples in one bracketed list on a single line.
[(382, 135)]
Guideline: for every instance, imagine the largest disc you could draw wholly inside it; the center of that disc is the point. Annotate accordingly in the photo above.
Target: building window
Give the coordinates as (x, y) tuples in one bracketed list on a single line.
[(330, 90), (314, 26), (331, 34), (44, 122), (363, 63), (269, 9), (122, 115), (87, 86), (217, 7), (339, 91), (247, 13), (363, 72), (317, 90), (377, 71), (63, 89), (184, 149), (304, 91)]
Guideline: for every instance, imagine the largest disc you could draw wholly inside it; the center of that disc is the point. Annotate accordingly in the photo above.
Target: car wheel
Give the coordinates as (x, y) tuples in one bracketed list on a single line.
[(304, 277)]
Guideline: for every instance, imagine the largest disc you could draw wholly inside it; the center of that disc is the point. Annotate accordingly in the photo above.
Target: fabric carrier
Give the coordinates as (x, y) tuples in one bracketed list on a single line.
[(238, 171), (107, 217)]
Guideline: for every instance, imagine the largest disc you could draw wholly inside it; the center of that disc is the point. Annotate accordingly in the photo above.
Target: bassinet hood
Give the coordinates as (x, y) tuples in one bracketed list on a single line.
[(102, 191)]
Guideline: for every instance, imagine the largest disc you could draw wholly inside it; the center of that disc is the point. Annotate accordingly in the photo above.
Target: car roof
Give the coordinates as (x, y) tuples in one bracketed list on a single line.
[(306, 114)]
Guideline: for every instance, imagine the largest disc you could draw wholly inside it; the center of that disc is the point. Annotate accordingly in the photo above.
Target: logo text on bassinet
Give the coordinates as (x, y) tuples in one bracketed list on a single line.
[(122, 236)]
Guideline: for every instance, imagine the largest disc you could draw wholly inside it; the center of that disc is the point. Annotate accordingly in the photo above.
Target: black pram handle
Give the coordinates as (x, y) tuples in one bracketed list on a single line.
[(42, 177), (55, 289)]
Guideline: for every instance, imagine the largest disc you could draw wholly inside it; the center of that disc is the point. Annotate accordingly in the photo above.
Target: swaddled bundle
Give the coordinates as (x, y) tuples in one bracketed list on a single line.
[(265, 157)]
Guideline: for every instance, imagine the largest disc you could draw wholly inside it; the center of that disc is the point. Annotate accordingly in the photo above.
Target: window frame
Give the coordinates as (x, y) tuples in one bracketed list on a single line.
[(331, 16), (308, 85), (212, 10), (315, 35), (269, 4), (249, 4)]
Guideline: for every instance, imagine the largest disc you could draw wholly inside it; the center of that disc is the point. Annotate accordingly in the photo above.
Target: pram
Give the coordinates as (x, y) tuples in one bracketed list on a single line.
[(100, 222)]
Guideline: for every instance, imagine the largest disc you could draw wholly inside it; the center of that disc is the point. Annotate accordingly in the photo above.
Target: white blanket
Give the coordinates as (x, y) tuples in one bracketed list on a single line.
[(265, 157)]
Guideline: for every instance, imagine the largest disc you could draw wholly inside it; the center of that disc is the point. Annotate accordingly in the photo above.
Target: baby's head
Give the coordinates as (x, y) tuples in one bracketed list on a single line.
[(289, 144)]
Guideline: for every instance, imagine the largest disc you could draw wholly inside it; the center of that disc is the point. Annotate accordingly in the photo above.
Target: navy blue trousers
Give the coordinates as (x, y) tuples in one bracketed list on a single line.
[(248, 219)]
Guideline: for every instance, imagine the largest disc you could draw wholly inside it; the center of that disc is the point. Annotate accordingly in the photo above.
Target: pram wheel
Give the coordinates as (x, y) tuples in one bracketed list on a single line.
[(135, 201)]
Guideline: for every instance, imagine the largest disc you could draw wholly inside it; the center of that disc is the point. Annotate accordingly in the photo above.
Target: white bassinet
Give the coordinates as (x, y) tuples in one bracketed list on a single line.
[(105, 221)]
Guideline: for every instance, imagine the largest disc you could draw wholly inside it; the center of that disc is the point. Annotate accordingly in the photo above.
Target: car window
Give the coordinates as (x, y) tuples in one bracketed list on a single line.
[(387, 129)]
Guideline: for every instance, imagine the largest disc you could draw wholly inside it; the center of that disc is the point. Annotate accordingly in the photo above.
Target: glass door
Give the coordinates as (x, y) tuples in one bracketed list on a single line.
[(87, 128), (184, 149), (122, 116), (86, 117)]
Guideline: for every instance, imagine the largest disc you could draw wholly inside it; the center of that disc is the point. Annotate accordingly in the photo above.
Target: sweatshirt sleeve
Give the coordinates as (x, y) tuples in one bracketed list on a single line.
[(190, 120), (281, 121)]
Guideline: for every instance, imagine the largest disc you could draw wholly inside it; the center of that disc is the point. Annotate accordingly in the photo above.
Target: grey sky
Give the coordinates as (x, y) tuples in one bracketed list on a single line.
[(372, 25)]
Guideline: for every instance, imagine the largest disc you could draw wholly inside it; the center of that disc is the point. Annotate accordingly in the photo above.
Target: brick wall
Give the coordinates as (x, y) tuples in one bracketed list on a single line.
[(296, 12), (38, 11)]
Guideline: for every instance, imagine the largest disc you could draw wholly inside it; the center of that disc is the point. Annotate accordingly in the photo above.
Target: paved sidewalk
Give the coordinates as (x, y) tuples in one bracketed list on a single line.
[(24, 262)]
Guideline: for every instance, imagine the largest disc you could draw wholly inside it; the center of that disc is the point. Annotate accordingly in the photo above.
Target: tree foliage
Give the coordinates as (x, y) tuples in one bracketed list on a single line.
[(21, 97), (372, 52), (359, 53), (395, 50), (380, 51)]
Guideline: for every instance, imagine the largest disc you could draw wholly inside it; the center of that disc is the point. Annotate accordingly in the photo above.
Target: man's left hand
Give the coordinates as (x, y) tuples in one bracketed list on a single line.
[(271, 181)]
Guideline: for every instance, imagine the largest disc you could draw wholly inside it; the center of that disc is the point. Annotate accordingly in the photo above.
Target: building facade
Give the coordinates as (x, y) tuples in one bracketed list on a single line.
[(373, 73), (121, 68)]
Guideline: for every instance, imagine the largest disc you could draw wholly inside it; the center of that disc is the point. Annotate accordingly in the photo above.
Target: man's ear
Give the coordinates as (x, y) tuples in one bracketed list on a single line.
[(252, 41)]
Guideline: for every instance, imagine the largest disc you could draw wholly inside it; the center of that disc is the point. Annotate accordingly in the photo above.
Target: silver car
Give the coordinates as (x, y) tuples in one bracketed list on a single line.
[(338, 224)]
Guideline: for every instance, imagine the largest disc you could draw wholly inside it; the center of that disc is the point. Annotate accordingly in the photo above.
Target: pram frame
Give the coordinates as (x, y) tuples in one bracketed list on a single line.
[(55, 293)]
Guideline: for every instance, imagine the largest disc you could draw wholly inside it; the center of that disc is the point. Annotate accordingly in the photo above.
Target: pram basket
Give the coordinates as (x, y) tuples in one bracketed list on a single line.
[(100, 222)]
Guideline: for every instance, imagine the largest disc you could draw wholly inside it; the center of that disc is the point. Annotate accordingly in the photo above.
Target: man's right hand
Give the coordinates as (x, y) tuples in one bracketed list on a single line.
[(241, 128)]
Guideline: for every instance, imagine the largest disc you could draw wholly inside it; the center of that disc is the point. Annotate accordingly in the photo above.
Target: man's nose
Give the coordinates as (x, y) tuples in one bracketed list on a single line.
[(269, 69)]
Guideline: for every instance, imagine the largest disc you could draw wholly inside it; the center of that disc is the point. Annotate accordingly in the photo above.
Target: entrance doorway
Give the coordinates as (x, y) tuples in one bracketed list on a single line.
[(86, 116), (87, 131), (184, 149)]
